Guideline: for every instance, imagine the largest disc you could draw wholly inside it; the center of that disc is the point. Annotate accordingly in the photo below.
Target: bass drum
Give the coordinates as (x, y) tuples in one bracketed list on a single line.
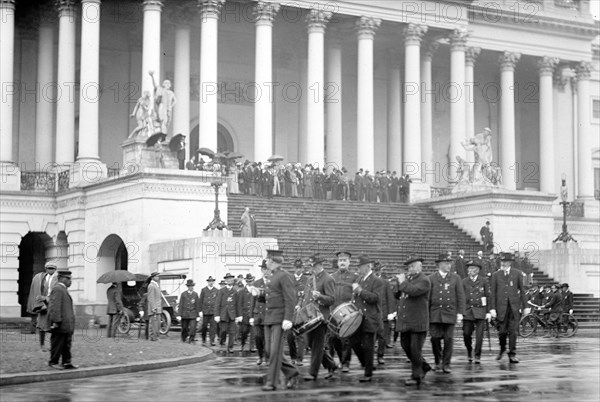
[(345, 320), (307, 319)]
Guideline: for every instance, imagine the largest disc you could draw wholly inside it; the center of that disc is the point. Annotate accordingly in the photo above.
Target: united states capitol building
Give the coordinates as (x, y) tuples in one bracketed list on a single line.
[(392, 85)]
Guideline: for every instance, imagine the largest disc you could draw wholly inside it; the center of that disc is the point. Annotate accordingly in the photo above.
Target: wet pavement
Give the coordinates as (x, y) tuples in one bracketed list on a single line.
[(550, 370)]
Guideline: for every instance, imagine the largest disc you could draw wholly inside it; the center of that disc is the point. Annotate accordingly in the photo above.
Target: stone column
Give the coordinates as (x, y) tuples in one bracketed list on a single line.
[(394, 135), (302, 122), (585, 181), (548, 180), (315, 106), (209, 26), (65, 102), (458, 40), (427, 111), (151, 55), (263, 73), (182, 18), (333, 102), (508, 61), (44, 114), (471, 55), (365, 121), (7, 50), (413, 35)]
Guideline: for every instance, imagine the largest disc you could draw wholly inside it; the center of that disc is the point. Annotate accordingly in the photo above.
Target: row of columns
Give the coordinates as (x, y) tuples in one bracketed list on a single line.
[(415, 146)]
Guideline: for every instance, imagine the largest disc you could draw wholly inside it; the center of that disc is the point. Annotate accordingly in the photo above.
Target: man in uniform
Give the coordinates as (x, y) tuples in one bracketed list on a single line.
[(258, 313), (188, 310), (477, 294), (366, 292), (62, 322), (388, 307), (246, 309), (154, 302), (446, 308), (567, 296), (280, 299), (343, 279), (208, 297), (413, 316), (296, 343), (508, 297), (555, 304), (227, 312)]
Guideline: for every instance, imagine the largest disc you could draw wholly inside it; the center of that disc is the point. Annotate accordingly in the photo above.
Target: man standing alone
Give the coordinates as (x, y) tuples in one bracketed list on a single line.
[(154, 301), (62, 322)]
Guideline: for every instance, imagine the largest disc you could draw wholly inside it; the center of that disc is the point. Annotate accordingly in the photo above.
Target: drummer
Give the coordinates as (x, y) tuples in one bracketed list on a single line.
[(343, 294), (366, 297), (320, 290)]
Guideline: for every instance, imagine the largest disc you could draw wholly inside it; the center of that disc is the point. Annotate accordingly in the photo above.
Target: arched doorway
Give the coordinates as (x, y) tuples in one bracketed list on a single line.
[(224, 139), (111, 257), (32, 257)]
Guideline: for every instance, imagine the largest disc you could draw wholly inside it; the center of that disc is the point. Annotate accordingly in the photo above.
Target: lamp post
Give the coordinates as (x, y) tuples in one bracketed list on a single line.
[(217, 223), (564, 195)]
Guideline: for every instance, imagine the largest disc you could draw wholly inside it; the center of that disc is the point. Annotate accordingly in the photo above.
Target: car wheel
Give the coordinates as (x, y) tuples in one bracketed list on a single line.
[(124, 323), (165, 322)]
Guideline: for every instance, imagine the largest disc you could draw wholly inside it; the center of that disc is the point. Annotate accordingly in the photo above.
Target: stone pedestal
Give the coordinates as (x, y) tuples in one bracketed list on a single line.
[(419, 191), (136, 154), (85, 172), (10, 177)]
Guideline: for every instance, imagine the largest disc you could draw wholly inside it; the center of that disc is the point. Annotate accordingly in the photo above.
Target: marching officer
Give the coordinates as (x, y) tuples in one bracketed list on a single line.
[(227, 312), (245, 297), (297, 343), (388, 307), (208, 297), (188, 310), (477, 294), (446, 307), (258, 314)]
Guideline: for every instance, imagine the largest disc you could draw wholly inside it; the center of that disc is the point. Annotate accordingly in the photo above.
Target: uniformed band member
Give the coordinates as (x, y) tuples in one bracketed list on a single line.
[(245, 297), (343, 279), (388, 307), (280, 299), (446, 307), (413, 316), (366, 297), (322, 291), (297, 344), (508, 297), (227, 312), (258, 313), (188, 310), (208, 297), (477, 294)]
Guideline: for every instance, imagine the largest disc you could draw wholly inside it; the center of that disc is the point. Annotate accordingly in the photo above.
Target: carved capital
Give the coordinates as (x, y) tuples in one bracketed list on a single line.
[(563, 76), (65, 6), (584, 70), (210, 8), (471, 54), (509, 60), (429, 48), (317, 19), (367, 26), (265, 12), (181, 12), (546, 65), (413, 34), (458, 39), (7, 4), (152, 4)]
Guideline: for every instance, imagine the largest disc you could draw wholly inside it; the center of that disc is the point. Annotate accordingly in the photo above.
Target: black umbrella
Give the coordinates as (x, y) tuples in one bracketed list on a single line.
[(158, 137), (176, 142), (275, 158), (120, 275), (219, 155), (234, 155), (206, 151)]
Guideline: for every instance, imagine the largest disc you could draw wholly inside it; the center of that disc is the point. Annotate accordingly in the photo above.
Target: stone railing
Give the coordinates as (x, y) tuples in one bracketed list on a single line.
[(63, 180), (44, 182)]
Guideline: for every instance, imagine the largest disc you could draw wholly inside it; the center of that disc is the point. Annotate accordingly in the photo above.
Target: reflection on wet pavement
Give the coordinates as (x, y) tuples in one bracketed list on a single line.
[(549, 371)]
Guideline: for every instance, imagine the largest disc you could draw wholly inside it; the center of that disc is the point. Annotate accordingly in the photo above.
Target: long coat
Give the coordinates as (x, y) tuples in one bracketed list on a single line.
[(326, 286), (227, 306), (154, 299), (258, 303), (369, 302), (507, 291), (476, 292), (447, 298), (60, 309), (208, 298), (413, 308), (280, 298), (460, 267), (343, 287), (189, 305), (246, 302), (387, 300), (115, 300)]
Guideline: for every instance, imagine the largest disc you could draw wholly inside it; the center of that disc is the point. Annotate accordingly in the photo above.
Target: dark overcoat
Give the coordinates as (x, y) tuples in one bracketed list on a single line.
[(280, 298), (477, 295), (227, 306), (507, 291), (368, 301), (413, 307), (447, 298), (189, 305), (60, 309)]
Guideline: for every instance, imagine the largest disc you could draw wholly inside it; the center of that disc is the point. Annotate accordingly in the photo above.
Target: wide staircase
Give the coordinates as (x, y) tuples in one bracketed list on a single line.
[(387, 232)]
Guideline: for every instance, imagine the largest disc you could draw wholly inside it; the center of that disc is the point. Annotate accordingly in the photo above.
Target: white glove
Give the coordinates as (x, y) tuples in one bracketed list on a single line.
[(493, 313), (141, 314), (286, 324), (252, 321), (197, 319), (354, 286), (390, 317), (217, 318), (488, 317), (200, 314), (526, 311), (459, 318), (238, 320), (571, 311), (178, 318)]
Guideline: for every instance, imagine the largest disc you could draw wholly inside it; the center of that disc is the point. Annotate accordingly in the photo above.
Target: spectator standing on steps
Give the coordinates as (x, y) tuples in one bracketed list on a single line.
[(248, 224)]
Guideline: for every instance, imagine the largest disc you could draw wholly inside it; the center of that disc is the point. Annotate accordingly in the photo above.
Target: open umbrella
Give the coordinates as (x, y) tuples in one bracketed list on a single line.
[(275, 158), (120, 275), (205, 151), (234, 155), (158, 137), (219, 155), (176, 141)]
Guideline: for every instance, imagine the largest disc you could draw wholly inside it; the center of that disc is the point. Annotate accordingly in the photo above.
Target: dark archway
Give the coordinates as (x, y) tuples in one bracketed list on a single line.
[(112, 256), (224, 139), (32, 257)]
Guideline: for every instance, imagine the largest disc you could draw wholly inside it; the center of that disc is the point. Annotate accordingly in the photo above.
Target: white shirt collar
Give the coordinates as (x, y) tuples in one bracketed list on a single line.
[(443, 274)]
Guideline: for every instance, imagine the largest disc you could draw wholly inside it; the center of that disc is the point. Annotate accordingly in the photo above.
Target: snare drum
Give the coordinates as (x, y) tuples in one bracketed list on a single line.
[(307, 319), (345, 320)]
